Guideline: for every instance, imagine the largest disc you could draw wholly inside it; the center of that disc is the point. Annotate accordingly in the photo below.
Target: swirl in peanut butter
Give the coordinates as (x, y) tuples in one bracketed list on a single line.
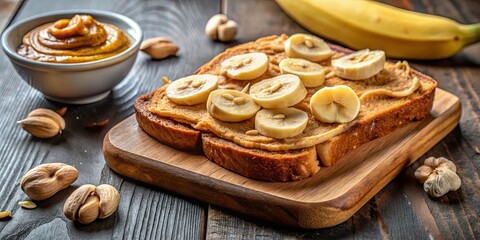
[(76, 40)]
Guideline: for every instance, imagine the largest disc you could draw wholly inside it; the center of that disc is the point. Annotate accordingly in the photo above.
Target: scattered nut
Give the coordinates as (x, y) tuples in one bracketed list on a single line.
[(211, 29), (252, 132), (246, 61), (438, 176), (88, 203), (441, 181), (43, 123), (183, 86), (89, 211), (47, 113), (273, 88), (228, 96), (5, 214), (165, 80), (300, 65), (109, 200), (238, 100), (220, 28), (309, 43), (237, 65), (277, 48), (159, 47), (76, 200), (27, 204), (45, 180), (227, 31), (196, 84), (98, 124), (40, 127), (330, 75), (275, 68), (422, 173), (62, 111)]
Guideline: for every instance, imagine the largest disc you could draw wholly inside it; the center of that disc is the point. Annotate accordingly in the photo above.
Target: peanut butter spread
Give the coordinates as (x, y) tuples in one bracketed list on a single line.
[(396, 78), (80, 39)]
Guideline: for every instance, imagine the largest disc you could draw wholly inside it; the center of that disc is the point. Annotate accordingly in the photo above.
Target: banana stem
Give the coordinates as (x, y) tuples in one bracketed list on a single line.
[(472, 33)]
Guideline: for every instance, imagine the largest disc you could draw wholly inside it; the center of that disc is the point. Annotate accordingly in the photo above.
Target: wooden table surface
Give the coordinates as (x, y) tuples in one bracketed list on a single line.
[(401, 210)]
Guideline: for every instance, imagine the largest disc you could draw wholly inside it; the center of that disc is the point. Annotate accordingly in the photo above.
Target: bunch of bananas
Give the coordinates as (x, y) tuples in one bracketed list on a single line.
[(362, 24)]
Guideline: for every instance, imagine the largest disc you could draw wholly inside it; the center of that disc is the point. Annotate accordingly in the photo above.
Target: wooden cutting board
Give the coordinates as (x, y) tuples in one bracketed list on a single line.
[(329, 198)]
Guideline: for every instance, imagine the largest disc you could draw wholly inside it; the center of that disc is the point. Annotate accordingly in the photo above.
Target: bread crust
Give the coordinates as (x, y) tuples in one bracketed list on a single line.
[(261, 164), (167, 131)]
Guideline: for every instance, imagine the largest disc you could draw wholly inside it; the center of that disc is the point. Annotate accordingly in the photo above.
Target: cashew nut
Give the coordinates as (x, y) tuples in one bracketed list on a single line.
[(45, 180), (219, 27), (438, 176)]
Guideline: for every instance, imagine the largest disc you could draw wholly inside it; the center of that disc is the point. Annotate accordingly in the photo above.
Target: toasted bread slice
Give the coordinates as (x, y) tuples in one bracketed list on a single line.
[(253, 163), (185, 128), (167, 131)]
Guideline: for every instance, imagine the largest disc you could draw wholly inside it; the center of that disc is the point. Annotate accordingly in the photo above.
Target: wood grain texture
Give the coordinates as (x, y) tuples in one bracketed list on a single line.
[(144, 212), (412, 213), (332, 196), (455, 215)]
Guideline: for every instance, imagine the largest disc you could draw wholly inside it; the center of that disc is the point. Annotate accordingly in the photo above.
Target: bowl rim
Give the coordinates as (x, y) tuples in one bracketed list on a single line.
[(13, 55)]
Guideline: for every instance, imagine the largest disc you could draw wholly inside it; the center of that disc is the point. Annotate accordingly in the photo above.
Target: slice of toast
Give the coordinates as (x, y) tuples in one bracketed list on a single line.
[(252, 163), (185, 128)]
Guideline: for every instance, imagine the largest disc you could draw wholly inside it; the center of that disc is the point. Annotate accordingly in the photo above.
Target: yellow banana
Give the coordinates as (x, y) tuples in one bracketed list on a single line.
[(361, 24)]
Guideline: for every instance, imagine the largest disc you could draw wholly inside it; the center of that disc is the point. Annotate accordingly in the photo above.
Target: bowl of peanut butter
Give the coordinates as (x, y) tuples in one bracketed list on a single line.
[(73, 56)]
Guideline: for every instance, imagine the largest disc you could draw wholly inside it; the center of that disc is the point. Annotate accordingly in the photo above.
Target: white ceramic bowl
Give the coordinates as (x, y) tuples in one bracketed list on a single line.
[(75, 83)]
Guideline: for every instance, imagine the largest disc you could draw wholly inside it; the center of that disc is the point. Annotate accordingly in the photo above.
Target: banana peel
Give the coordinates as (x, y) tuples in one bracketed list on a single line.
[(361, 24)]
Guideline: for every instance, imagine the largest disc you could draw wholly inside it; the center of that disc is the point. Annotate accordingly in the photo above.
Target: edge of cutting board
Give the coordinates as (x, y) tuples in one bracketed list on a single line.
[(329, 198)]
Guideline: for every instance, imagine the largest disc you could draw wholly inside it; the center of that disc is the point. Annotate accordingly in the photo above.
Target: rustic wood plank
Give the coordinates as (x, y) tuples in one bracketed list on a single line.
[(144, 211)]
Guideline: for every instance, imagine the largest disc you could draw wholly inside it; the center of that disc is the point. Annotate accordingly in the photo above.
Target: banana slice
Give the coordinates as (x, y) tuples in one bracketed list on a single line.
[(335, 104), (231, 106), (281, 123), (359, 65), (307, 47), (311, 74), (191, 90), (246, 66), (278, 92)]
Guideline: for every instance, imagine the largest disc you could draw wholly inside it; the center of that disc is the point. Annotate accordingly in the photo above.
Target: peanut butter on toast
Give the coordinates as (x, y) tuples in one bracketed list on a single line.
[(264, 158)]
